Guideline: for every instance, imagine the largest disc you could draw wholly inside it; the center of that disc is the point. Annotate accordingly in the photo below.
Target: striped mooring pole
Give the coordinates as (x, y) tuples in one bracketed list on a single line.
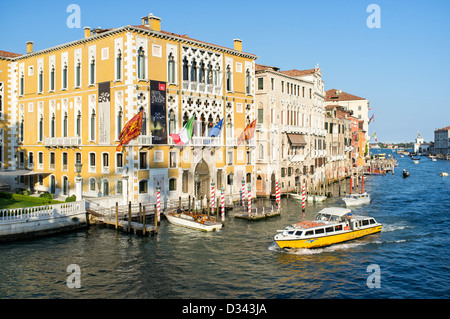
[(249, 199), (158, 202), (303, 196), (213, 199), (222, 204)]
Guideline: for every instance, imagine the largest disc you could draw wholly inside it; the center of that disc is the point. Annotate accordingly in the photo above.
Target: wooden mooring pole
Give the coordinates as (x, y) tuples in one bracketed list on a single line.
[(144, 231), (129, 216), (156, 220), (117, 215)]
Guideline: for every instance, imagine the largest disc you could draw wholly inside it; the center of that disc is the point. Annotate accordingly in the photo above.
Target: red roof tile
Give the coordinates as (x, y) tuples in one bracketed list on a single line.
[(7, 54), (342, 96), (295, 72)]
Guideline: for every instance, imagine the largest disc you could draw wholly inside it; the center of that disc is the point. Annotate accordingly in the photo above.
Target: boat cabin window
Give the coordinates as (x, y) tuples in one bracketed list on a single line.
[(329, 229), (372, 221), (365, 222), (338, 227), (334, 218), (298, 233), (320, 231), (323, 217), (291, 232), (309, 232)]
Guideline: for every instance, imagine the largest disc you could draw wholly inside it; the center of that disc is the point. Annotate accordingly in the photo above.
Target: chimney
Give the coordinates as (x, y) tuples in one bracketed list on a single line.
[(152, 22), (29, 47), (237, 44), (87, 32)]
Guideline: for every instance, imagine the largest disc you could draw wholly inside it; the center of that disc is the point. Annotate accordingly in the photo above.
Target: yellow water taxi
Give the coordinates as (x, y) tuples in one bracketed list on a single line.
[(332, 225)]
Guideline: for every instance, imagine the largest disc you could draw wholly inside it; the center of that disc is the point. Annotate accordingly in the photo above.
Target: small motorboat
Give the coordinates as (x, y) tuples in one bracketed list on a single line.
[(315, 198), (444, 174), (192, 220), (405, 173), (332, 225), (356, 199)]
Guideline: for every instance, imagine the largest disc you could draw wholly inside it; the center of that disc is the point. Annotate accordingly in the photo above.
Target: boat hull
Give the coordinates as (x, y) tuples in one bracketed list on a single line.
[(318, 242), (193, 224), (358, 201)]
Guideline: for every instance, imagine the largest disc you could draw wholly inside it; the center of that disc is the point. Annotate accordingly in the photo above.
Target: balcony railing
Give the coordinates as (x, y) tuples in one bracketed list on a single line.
[(63, 141)]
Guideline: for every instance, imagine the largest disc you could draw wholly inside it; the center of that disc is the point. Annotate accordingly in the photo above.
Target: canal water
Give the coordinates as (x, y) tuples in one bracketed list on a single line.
[(408, 259)]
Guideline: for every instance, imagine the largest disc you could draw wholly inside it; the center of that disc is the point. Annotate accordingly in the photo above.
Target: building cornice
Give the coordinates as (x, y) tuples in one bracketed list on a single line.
[(283, 75), (129, 28)]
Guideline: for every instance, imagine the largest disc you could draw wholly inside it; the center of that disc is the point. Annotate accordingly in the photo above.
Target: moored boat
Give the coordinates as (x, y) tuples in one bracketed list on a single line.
[(356, 199), (332, 225), (192, 220)]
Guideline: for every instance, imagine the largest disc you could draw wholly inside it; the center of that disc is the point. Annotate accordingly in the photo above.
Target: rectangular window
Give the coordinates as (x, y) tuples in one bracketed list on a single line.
[(260, 83), (64, 161), (173, 160), (92, 162), (143, 160), (230, 156)]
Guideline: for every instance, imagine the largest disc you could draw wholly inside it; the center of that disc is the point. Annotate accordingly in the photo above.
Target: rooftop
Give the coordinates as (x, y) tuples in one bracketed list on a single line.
[(339, 95)]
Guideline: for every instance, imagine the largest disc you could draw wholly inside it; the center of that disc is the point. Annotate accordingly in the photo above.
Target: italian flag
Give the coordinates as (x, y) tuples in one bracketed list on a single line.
[(185, 134)]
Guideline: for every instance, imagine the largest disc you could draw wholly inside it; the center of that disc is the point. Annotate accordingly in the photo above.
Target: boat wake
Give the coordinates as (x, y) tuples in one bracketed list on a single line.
[(394, 227), (315, 251)]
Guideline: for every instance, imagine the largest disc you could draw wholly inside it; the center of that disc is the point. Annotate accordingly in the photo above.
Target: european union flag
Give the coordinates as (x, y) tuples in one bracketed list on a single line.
[(215, 131)]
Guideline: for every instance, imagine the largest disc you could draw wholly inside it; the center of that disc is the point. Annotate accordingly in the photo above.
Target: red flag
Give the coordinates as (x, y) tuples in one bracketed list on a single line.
[(131, 130), (248, 133)]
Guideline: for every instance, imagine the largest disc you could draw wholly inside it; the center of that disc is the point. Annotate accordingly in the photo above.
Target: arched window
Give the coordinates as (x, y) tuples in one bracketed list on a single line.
[(21, 84), (119, 122), (41, 129), (185, 69), (144, 124), (21, 129), (229, 87), (40, 81), (209, 74), (92, 137), (92, 184), (119, 65), (92, 71), (52, 125), (65, 123), (141, 63), (172, 127), (247, 82), (194, 71), (52, 79), (229, 127), (261, 151), (78, 124), (64, 76), (217, 75), (52, 184), (105, 187), (78, 74), (201, 73), (171, 69)]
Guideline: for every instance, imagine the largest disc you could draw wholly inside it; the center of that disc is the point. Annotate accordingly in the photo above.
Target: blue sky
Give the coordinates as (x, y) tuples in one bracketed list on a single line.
[(402, 68)]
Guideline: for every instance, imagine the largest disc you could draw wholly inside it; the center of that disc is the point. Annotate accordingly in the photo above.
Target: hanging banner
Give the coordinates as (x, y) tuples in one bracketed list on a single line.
[(158, 112), (104, 119)]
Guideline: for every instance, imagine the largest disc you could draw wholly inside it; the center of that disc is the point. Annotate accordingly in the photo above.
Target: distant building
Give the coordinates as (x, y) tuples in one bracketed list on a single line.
[(290, 131), (358, 105), (442, 142)]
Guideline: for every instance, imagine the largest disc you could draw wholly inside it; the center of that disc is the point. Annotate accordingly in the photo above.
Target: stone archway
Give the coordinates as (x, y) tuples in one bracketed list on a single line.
[(201, 179)]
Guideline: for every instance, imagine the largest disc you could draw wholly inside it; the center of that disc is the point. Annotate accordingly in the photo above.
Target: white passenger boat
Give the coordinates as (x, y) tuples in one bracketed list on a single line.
[(192, 220), (332, 225), (356, 199)]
